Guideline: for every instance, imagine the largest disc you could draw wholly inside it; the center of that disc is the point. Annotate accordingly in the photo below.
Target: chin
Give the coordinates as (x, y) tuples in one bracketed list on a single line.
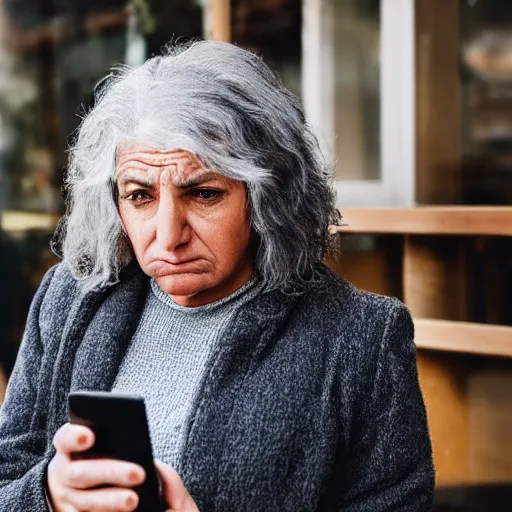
[(184, 284)]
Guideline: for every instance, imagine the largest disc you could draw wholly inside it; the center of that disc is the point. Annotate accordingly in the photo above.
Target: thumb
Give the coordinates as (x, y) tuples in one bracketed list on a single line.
[(175, 494)]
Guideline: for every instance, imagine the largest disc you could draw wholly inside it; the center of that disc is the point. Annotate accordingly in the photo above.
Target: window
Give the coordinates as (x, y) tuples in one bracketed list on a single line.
[(358, 91)]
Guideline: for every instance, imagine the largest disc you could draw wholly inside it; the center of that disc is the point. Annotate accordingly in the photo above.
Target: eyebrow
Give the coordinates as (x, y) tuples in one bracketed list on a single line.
[(198, 180)]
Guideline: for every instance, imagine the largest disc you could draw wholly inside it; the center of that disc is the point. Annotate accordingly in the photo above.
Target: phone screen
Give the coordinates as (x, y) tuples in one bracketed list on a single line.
[(120, 426)]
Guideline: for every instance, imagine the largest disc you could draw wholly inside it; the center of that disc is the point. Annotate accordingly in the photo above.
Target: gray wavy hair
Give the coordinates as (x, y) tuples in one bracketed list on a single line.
[(223, 104)]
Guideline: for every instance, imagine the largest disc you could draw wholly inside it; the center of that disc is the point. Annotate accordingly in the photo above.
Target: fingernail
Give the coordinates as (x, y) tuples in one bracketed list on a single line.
[(131, 501), (82, 439), (134, 476)]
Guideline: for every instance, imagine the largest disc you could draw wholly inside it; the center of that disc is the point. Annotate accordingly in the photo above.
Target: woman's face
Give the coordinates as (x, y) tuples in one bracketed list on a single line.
[(188, 226)]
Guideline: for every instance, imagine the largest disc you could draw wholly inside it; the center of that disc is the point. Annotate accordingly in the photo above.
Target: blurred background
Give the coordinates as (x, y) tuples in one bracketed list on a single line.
[(412, 101)]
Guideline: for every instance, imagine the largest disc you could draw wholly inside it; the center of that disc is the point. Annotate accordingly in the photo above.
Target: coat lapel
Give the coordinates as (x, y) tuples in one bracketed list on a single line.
[(108, 336), (246, 342), (98, 331)]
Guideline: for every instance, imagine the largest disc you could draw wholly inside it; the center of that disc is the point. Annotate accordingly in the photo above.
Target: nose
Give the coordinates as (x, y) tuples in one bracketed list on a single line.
[(172, 228)]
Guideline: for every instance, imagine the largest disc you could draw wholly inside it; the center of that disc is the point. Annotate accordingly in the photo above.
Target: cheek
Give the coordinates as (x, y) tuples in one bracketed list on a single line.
[(136, 231), (227, 237)]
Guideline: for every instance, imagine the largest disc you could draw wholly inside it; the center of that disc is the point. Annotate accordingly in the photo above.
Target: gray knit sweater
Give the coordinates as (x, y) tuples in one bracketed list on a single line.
[(309, 403), (167, 357)]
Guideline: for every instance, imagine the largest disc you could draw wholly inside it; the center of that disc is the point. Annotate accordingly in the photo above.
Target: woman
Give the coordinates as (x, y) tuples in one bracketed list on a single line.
[(192, 275)]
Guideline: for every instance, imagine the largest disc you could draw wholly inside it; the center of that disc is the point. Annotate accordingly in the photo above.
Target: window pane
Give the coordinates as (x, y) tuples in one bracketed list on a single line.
[(356, 33)]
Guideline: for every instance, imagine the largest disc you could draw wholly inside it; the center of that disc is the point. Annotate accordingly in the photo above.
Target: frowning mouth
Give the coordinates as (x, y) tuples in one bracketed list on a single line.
[(162, 267)]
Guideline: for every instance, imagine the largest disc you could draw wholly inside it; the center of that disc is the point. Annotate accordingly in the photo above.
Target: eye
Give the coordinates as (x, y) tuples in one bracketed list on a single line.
[(138, 196), (207, 194)]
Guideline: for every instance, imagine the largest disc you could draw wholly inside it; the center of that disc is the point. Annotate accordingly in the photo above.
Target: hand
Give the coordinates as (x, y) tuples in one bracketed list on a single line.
[(175, 494), (71, 483)]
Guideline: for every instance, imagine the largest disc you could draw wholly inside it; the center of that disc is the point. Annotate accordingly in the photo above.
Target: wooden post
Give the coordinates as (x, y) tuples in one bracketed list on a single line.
[(438, 100), (435, 287), (219, 20), (435, 277)]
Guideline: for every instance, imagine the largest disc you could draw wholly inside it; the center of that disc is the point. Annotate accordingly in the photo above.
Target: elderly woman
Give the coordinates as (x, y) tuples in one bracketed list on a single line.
[(192, 275)]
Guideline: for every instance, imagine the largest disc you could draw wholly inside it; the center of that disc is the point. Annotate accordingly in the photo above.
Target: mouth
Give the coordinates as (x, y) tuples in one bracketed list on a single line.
[(163, 267)]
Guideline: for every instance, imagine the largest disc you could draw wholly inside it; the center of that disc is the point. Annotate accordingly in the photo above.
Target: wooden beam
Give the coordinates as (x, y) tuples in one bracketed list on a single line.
[(423, 220), (467, 337), (220, 20), (16, 221)]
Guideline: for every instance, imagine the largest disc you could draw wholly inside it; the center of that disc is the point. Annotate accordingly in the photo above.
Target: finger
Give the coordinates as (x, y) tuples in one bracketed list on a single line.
[(175, 493), (73, 438), (84, 474), (104, 500)]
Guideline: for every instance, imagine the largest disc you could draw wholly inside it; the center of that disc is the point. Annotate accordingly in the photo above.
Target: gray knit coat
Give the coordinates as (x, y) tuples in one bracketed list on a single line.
[(309, 403)]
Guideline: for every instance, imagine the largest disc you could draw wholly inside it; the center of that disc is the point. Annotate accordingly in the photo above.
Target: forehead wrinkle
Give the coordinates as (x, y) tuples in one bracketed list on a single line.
[(182, 166), (141, 174), (155, 157), (134, 164), (184, 169)]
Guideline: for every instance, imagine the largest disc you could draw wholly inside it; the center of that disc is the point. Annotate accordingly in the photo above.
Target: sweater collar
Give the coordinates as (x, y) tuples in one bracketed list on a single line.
[(247, 291)]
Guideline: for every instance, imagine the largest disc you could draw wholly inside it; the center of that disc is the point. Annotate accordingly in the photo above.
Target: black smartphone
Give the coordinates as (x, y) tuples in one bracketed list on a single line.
[(120, 425)]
